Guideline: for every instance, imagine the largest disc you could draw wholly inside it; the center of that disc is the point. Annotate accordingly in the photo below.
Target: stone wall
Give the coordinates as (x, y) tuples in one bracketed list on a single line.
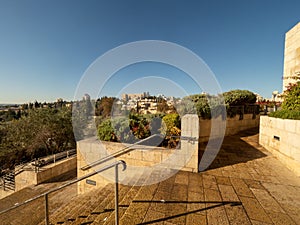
[(138, 158), (282, 138), (291, 68), (233, 126), (30, 177)]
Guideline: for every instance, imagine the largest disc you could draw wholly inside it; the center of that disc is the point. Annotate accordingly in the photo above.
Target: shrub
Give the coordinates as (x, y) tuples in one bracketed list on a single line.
[(292, 98), (239, 97), (291, 105), (136, 127), (171, 129), (286, 114), (236, 101), (106, 131)]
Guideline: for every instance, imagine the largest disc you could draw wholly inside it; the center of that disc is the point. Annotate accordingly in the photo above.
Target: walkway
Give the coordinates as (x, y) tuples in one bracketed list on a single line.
[(244, 185)]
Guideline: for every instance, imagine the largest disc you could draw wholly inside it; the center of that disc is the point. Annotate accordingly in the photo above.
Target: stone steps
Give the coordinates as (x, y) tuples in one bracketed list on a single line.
[(138, 203), (105, 214), (97, 206), (79, 206), (36, 208)]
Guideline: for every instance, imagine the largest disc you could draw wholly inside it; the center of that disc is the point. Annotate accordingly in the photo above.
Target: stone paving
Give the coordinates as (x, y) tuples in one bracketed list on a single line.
[(244, 185)]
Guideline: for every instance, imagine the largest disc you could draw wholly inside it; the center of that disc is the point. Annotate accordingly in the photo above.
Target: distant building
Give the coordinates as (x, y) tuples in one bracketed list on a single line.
[(291, 70), (126, 97), (259, 98)]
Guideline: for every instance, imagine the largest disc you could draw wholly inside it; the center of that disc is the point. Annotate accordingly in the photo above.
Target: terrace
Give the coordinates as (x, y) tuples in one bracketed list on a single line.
[(244, 185)]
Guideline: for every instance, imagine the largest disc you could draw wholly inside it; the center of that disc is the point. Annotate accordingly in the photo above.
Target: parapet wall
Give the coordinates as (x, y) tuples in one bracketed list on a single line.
[(233, 126), (282, 138), (140, 158), (31, 177)]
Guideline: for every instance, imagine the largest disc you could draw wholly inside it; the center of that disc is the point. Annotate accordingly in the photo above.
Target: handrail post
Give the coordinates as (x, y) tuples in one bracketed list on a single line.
[(46, 210), (117, 195)]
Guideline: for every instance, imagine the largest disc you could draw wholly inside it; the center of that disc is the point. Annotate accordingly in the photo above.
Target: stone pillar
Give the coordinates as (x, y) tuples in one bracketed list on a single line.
[(189, 141)]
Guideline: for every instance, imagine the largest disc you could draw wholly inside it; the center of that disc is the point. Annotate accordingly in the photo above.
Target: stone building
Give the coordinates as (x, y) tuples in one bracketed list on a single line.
[(291, 70)]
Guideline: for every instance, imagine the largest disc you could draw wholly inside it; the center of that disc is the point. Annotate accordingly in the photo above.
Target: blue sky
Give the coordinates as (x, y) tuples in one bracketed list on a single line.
[(46, 46)]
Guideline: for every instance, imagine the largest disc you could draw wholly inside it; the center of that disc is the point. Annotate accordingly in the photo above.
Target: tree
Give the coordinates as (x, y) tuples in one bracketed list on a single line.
[(42, 131), (104, 106)]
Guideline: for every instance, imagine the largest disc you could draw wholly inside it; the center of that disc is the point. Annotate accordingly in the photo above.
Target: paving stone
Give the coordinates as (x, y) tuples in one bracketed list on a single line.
[(217, 215), (181, 178), (212, 195), (199, 206), (254, 222), (196, 219), (254, 184), (195, 182), (154, 217), (179, 192), (215, 172), (255, 210), (209, 182), (241, 188), (280, 218), (138, 209), (169, 223), (267, 201), (237, 215), (130, 219), (228, 193), (287, 196), (223, 180)]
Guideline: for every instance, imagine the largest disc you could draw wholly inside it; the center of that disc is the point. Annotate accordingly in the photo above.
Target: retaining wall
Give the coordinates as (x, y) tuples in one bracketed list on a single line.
[(46, 173), (233, 126), (139, 158), (282, 138)]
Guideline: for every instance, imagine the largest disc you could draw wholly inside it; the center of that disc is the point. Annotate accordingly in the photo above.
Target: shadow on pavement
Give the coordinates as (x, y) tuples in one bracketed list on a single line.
[(218, 204), (239, 148)]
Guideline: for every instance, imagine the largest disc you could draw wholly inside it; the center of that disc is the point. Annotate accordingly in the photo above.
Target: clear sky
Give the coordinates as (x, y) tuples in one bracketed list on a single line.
[(46, 46)]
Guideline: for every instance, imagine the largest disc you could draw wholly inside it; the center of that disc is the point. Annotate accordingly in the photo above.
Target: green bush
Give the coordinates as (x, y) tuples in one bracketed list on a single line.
[(286, 114), (239, 97), (171, 130), (106, 131), (292, 98), (237, 102), (137, 127)]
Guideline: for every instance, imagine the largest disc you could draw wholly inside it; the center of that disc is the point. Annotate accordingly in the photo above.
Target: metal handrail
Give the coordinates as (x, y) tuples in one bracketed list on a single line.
[(53, 158), (118, 153), (45, 195)]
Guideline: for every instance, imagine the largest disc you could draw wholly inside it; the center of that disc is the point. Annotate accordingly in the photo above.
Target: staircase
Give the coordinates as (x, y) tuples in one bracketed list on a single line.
[(161, 203), (8, 181), (137, 204)]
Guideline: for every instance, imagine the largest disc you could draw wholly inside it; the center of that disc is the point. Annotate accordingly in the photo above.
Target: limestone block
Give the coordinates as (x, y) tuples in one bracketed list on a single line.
[(293, 139), (135, 154), (193, 162), (297, 125), (295, 153), (152, 156)]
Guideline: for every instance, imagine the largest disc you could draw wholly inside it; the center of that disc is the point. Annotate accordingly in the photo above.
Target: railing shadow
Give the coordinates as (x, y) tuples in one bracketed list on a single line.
[(218, 204)]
